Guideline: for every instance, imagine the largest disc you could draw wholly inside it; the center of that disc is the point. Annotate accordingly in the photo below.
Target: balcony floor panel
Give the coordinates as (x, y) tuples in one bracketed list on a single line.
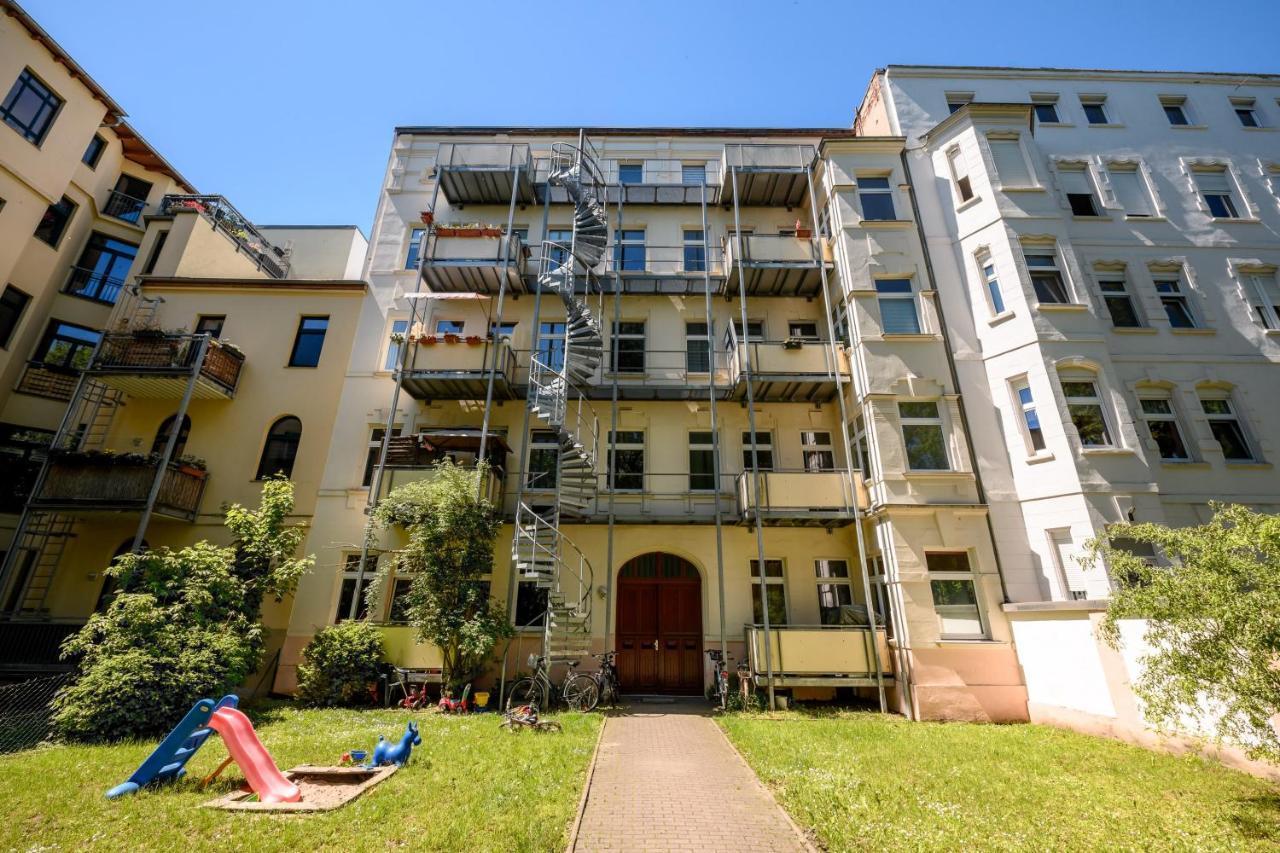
[(451, 385), (640, 284), (472, 277), (478, 185), (158, 387), (798, 518), (649, 391), (776, 280), (770, 388), (90, 509), (762, 188)]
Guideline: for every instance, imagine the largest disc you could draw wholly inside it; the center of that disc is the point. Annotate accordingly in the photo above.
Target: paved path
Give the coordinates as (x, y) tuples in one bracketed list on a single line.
[(666, 779)]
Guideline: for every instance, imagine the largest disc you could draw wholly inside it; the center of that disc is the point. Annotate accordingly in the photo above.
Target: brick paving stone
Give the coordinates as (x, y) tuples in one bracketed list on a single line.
[(667, 781)]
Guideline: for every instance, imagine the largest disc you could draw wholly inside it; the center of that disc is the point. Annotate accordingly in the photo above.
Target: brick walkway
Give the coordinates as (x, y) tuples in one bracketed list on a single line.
[(666, 779)]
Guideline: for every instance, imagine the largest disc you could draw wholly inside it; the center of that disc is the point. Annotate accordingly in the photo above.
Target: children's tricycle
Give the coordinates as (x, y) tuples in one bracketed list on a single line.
[(449, 705)]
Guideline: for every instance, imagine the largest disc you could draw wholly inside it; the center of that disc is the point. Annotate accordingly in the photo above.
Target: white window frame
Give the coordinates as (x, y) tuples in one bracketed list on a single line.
[(351, 572), (615, 352), (699, 167), (1231, 415), (1234, 199), (705, 338), (1070, 579), (961, 183), (812, 441), (687, 243), (1266, 308), (612, 474), (1170, 417), (1177, 102), (1051, 99), (1099, 101), (921, 421), (1049, 250), (971, 576), (794, 331), (1068, 169), (392, 353), (894, 296), (409, 247), (702, 446), (991, 288), (1169, 287), (764, 444), (1107, 281), (374, 446), (1098, 399), (444, 326), (541, 439), (1026, 409), (1123, 167), (1249, 106), (1015, 139), (834, 581), (886, 190), (780, 581), (957, 100)]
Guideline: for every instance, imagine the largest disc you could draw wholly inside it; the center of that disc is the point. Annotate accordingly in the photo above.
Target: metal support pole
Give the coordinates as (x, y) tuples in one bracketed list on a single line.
[(497, 324), (755, 459), (613, 429), (171, 442), (848, 448), (711, 396)]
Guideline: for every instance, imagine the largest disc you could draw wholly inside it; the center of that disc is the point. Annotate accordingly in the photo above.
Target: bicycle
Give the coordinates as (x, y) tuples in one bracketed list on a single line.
[(719, 678), (538, 689), (601, 686), (526, 717)]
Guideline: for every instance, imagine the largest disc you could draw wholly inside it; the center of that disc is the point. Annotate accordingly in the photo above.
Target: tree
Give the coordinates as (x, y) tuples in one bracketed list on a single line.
[(451, 536), (183, 626), (1213, 623)]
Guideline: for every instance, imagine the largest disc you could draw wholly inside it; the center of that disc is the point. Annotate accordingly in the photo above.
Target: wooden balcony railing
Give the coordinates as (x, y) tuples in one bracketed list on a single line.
[(163, 354), (106, 481), (55, 383)]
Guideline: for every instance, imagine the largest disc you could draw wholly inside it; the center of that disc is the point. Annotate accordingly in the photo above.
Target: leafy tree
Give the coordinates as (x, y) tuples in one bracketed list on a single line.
[(451, 536), (339, 664), (183, 626), (1214, 623)]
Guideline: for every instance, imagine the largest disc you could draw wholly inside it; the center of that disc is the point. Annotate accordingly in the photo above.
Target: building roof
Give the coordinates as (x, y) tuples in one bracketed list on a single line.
[(512, 130), (1049, 71)]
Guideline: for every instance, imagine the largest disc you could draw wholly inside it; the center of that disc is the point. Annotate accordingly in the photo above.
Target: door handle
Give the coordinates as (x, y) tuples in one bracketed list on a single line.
[(655, 645)]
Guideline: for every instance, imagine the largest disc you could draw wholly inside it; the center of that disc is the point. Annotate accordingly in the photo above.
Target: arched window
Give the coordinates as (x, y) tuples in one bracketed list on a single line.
[(281, 448), (162, 436), (109, 585)]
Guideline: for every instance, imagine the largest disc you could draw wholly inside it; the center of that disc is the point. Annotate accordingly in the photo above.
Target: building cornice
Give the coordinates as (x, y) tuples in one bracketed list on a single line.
[(952, 72), (979, 110), (497, 130)]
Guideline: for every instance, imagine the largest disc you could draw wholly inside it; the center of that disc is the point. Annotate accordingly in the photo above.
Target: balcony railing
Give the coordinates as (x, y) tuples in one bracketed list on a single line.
[(157, 364), (473, 263), (667, 498), (34, 646), (272, 260), (485, 173), (456, 367), (794, 370), (774, 175), (124, 207), (118, 482), (798, 498), (93, 284), (396, 476), (677, 270), (42, 380), (775, 264), (819, 655), (651, 374)]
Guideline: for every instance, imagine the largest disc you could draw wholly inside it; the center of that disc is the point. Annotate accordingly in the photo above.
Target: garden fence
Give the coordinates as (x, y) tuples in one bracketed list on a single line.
[(25, 710)]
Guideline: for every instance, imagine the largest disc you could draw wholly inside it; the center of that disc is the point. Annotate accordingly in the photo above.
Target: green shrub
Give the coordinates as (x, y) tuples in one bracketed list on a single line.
[(339, 664)]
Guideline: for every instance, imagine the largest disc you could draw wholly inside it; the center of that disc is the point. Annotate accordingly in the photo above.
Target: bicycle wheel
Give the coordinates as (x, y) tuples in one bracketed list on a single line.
[(526, 691), (547, 726), (581, 693)]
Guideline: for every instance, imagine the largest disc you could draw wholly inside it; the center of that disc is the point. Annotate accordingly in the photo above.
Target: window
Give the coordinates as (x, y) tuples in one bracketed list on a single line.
[(308, 342), (531, 604), (816, 450), (30, 107), (1130, 187), (156, 249), (1010, 162), (1265, 288), (398, 611), (1046, 278), (12, 305), (1115, 293), (544, 460), (897, 307), (876, 198), (960, 175), (450, 327), (55, 220), (66, 345), (803, 330), (280, 449), (955, 595), (128, 199), (763, 450), (628, 347), (1078, 188), (1215, 192), (101, 271), (394, 351), (922, 436), (755, 331), (93, 153), (413, 255), (626, 460), (1175, 110), (1226, 429), (1030, 423), (1046, 109), (506, 330), (956, 100), (551, 337), (693, 174), (777, 593), (562, 238), (1162, 424), (702, 472), (630, 173), (1069, 582), (1246, 110), (1095, 109), (374, 453), (697, 348), (695, 251), (861, 448), (628, 250), (210, 324), (1085, 408), (161, 441), (835, 591), (1175, 303), (994, 296), (352, 602)]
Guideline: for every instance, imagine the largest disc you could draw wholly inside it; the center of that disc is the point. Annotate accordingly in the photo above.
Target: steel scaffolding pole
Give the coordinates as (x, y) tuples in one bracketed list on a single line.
[(496, 325), (711, 396), (613, 429)]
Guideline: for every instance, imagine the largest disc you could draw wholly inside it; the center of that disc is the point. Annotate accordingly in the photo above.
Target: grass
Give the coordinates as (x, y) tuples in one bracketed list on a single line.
[(470, 786), (864, 781)]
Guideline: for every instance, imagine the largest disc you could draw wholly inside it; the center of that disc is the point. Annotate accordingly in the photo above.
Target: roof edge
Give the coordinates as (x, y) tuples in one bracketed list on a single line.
[(550, 130)]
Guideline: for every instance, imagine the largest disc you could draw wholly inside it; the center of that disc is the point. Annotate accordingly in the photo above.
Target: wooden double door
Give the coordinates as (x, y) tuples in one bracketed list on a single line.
[(660, 625)]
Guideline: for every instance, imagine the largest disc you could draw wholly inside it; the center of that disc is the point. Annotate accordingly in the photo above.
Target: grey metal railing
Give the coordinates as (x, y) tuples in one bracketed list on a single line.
[(231, 222)]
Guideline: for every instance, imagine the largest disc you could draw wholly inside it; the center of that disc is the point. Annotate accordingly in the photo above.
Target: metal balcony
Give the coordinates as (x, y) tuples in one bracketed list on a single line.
[(454, 367), (126, 208), (820, 655), (766, 175), (676, 270), (792, 371), (799, 498), (474, 264), (412, 458), (49, 381), (485, 173), (108, 482), (661, 375), (223, 216), (650, 497), (93, 284), (661, 182), (775, 265), (159, 365)]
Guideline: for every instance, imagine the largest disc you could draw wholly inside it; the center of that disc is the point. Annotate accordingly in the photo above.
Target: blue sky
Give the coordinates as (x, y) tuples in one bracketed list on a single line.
[(287, 107)]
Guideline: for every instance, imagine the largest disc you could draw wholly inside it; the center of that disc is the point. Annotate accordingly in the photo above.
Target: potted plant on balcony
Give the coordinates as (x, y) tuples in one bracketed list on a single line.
[(474, 340), (446, 231), (451, 338), (429, 340), (804, 232), (427, 217), (471, 229), (491, 230), (192, 466)]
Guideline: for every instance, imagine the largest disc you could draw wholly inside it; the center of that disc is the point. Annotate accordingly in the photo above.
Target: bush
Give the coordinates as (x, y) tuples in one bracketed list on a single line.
[(339, 664)]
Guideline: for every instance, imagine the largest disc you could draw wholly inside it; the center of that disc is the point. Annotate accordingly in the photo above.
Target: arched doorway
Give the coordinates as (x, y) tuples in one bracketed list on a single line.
[(660, 625)]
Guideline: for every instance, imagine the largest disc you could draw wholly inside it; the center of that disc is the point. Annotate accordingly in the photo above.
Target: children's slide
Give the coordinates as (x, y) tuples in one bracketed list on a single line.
[(255, 762)]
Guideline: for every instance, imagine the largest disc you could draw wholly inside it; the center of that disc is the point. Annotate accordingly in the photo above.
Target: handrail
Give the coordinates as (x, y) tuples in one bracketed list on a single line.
[(235, 225), (89, 283), (806, 502), (663, 259), (123, 206), (454, 161), (744, 246), (768, 157)]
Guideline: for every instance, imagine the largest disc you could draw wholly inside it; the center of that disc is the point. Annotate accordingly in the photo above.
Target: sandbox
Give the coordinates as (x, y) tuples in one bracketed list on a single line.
[(323, 789)]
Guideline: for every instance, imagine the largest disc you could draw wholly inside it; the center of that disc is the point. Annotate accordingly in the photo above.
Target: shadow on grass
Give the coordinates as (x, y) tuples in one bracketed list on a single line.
[(1258, 818)]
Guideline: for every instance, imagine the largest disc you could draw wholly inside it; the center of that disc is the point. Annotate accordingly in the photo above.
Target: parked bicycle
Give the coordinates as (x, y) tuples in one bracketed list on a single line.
[(577, 693), (719, 689), (600, 687), (526, 717)]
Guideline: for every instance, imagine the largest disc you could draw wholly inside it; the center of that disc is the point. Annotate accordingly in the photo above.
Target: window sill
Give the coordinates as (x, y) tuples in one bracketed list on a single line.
[(1054, 124), (1253, 129), (1236, 220), (1184, 464), (1193, 331), (887, 224), (935, 475), (1250, 466), (1134, 217), (968, 641), (1004, 315), (1062, 307), (1106, 451), (1188, 127), (1107, 125), (1042, 456), (1100, 217), (965, 205), (1032, 188), (1135, 330), (907, 336)]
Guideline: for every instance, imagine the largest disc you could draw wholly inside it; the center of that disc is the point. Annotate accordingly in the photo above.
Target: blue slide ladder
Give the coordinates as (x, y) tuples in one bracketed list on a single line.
[(167, 762)]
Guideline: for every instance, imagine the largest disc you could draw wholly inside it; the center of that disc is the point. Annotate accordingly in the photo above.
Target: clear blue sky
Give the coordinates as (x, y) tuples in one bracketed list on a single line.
[(287, 107)]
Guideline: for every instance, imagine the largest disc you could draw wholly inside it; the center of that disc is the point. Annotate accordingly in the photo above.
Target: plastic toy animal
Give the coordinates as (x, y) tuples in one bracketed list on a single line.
[(449, 705), (384, 753)]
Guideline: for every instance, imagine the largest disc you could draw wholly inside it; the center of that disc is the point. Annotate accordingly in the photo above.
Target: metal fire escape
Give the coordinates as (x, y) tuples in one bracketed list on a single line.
[(540, 550)]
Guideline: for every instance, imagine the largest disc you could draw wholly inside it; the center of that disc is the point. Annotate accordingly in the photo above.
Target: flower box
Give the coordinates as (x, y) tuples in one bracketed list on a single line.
[(490, 232), (427, 217), (427, 339), (474, 340), (451, 339)]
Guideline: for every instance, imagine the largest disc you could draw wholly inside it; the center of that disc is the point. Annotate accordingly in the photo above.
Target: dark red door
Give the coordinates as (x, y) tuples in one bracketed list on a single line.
[(660, 625)]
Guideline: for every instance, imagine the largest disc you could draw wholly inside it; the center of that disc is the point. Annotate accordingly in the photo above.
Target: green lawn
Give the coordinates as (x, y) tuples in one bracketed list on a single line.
[(470, 786), (865, 781)]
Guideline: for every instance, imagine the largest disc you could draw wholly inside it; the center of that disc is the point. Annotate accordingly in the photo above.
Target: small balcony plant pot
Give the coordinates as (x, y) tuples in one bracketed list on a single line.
[(804, 233), (427, 217), (446, 231), (490, 232), (451, 339), (475, 340), (468, 232), (792, 343), (427, 339)]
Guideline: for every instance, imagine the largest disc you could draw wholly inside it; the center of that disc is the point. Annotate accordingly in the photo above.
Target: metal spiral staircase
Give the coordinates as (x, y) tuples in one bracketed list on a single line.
[(540, 550)]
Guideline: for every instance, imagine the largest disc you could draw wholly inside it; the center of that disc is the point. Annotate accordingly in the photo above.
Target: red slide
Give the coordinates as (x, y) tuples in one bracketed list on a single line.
[(255, 762)]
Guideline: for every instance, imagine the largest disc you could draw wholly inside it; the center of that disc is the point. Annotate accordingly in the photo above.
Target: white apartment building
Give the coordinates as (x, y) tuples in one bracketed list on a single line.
[(1106, 248)]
